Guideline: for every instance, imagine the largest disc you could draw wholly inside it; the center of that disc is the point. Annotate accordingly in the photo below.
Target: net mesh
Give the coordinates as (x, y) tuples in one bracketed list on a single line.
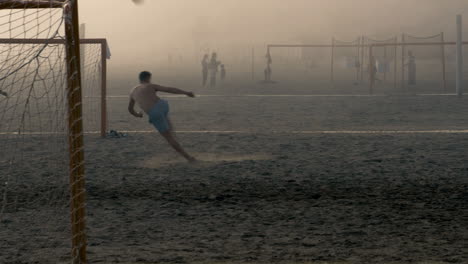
[(34, 155), (34, 207), (386, 60), (346, 62), (287, 65), (91, 75), (411, 65)]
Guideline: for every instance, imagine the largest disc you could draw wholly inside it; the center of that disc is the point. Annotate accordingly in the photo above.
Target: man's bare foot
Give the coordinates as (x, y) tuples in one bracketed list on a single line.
[(192, 159)]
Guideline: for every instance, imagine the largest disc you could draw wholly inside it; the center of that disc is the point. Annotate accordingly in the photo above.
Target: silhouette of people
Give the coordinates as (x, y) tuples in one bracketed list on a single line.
[(268, 57), (373, 70), (223, 72), (267, 73), (411, 68), (204, 64), (357, 66), (267, 70), (214, 63)]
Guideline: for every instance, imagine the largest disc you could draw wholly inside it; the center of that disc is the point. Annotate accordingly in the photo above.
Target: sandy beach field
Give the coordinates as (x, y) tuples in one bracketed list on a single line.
[(281, 179)]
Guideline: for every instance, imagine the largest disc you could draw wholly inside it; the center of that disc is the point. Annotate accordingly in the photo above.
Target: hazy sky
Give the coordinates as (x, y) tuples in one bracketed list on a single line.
[(157, 26)]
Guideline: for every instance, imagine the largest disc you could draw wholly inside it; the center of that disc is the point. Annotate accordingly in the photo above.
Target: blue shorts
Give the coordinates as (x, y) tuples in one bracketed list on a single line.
[(158, 116)]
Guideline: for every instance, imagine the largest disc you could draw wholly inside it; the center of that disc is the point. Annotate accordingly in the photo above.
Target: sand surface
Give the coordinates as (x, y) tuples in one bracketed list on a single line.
[(258, 196)]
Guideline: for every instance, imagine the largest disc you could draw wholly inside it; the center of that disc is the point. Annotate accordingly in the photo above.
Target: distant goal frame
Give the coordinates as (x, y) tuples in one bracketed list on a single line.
[(370, 52)]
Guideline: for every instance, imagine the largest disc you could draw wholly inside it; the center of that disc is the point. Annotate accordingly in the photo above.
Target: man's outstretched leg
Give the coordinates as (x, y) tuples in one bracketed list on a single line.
[(168, 135), (171, 127)]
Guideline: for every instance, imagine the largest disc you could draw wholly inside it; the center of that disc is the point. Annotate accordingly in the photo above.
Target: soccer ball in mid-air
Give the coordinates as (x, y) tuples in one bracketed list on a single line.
[(138, 2)]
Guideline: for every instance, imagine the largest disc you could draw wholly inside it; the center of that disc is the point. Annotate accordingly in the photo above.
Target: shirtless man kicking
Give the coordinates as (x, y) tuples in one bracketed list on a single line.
[(157, 109)]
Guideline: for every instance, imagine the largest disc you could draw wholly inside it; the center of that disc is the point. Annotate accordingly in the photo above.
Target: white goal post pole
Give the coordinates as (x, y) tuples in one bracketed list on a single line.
[(332, 57), (371, 70), (403, 61), (253, 63), (442, 47), (105, 54), (459, 69)]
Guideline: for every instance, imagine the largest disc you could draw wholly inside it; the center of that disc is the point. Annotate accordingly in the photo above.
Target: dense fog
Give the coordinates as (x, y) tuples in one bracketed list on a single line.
[(170, 36)]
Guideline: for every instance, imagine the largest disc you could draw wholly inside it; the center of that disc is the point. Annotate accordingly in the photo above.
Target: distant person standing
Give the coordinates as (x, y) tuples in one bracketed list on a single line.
[(267, 70), (411, 68), (223, 72), (214, 63), (373, 71), (268, 58), (267, 73), (204, 64)]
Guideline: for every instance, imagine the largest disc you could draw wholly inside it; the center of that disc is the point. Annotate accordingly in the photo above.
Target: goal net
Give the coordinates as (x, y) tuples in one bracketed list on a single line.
[(345, 63), (336, 65), (386, 64), (315, 66), (423, 66), (41, 177), (93, 72), (287, 65), (410, 65)]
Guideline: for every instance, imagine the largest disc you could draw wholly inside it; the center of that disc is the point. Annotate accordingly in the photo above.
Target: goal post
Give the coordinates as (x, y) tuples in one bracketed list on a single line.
[(75, 127), (67, 32), (385, 57), (369, 48), (326, 57), (349, 50), (404, 45), (103, 55)]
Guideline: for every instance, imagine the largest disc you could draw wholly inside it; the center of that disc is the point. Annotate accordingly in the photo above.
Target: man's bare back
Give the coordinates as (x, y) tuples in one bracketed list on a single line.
[(145, 96)]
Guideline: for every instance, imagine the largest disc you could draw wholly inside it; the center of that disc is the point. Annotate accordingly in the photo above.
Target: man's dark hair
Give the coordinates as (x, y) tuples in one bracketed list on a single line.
[(144, 76)]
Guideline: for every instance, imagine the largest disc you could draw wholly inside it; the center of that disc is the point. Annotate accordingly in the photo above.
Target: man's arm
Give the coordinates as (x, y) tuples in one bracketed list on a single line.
[(131, 109), (172, 90)]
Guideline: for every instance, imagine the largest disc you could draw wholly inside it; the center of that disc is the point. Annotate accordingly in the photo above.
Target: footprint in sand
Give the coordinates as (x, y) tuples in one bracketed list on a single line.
[(203, 159)]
